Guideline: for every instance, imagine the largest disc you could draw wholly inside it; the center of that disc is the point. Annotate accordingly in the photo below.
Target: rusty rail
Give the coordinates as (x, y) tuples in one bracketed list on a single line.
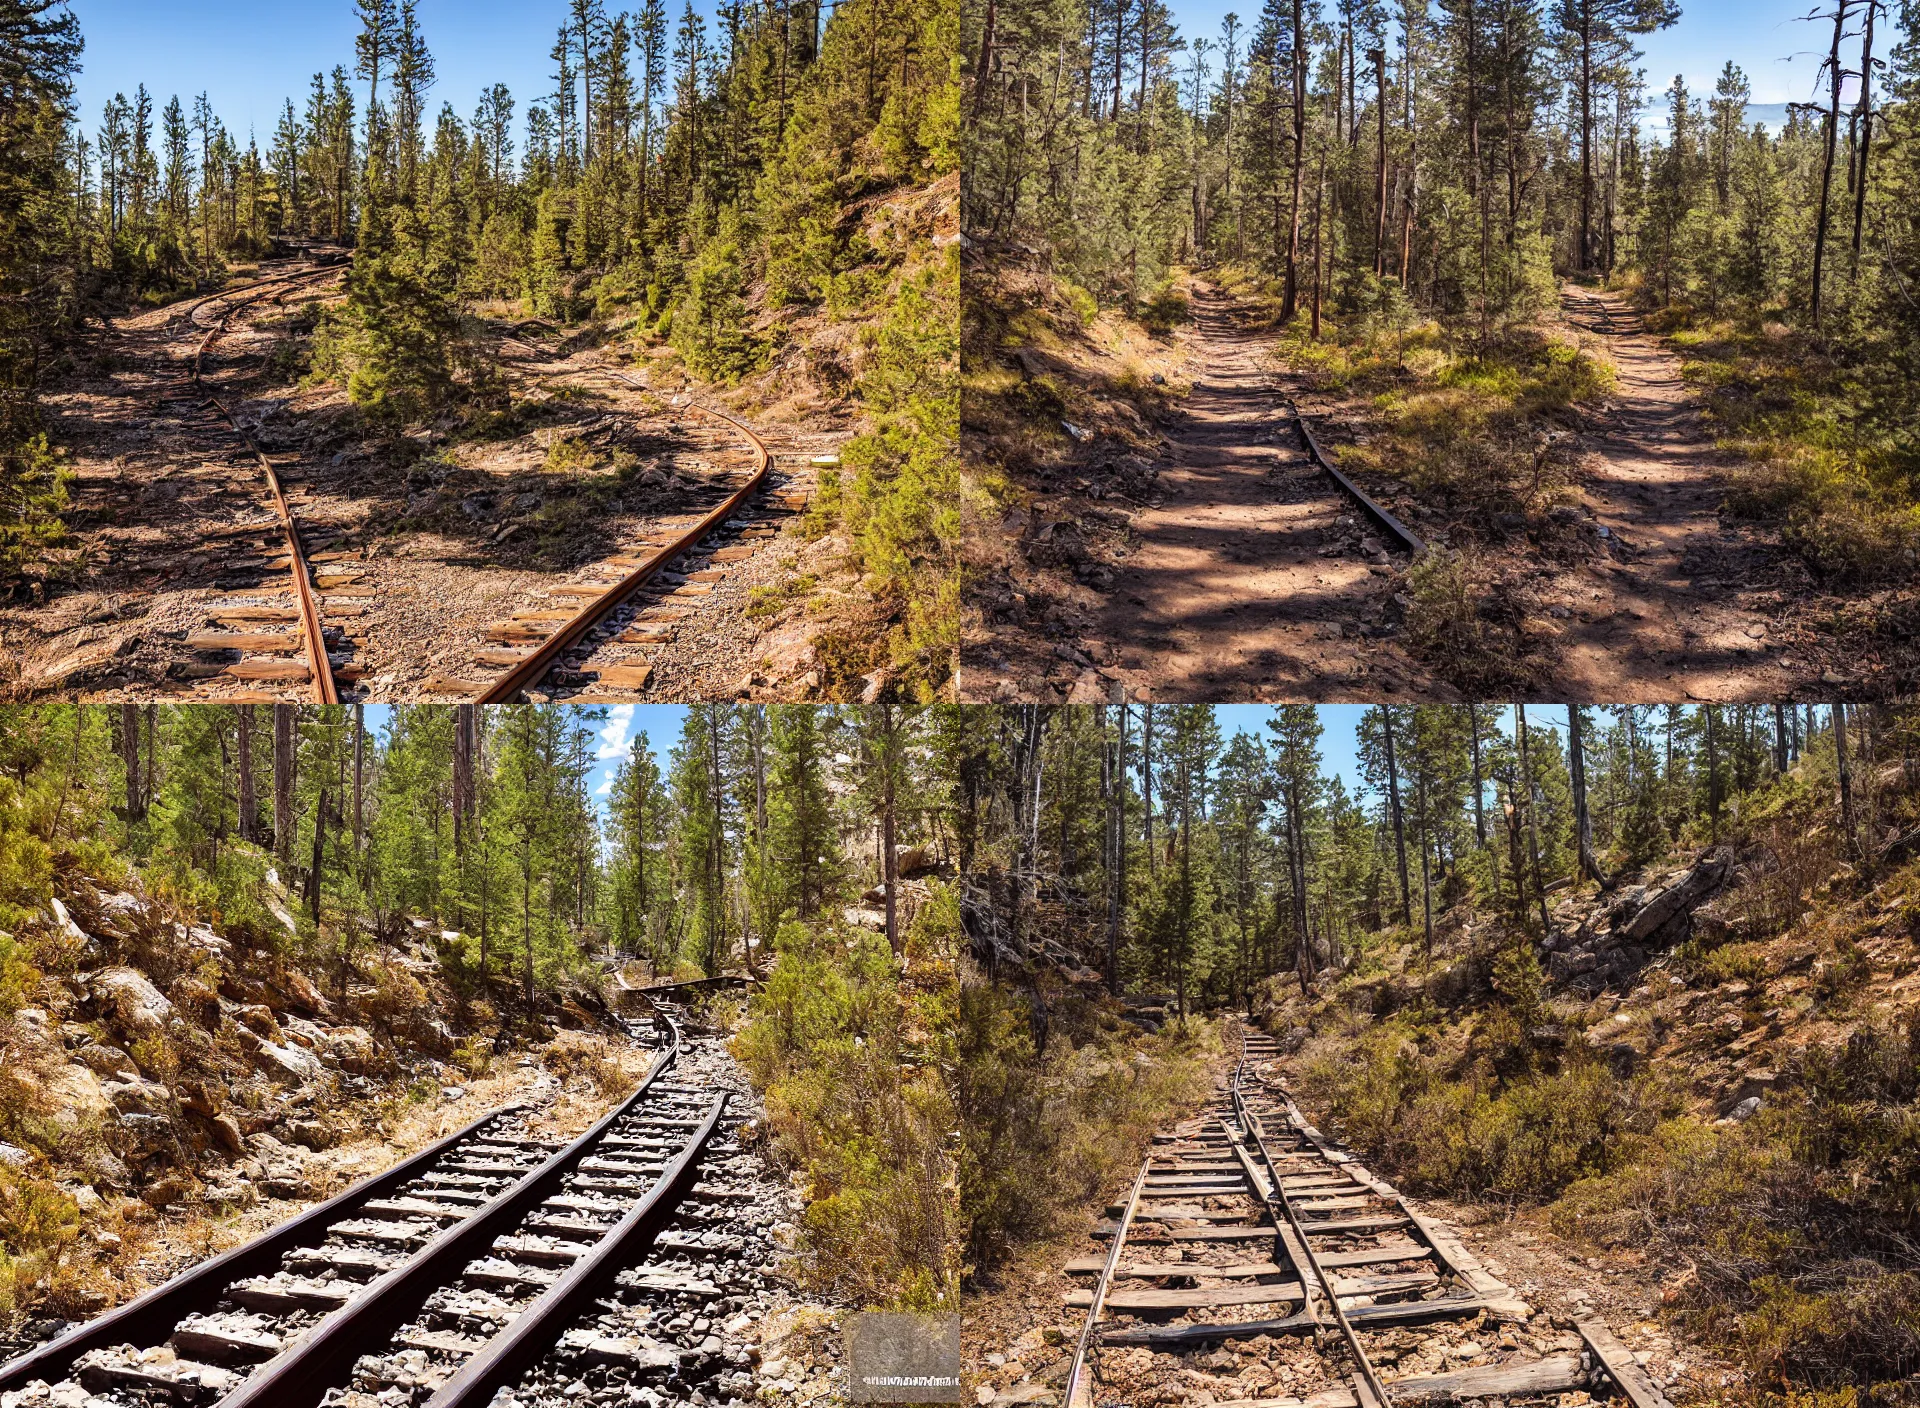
[(533, 669)]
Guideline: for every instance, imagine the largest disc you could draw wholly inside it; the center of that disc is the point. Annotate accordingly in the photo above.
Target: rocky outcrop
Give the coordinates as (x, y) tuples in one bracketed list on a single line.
[(1595, 943)]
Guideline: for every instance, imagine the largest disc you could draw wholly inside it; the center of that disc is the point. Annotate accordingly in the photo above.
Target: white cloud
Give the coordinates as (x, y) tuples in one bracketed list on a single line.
[(617, 737), (606, 783)]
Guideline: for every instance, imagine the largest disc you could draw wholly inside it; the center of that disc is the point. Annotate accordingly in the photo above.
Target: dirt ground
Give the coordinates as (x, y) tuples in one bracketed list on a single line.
[(419, 545), (1241, 572), (1018, 1339)]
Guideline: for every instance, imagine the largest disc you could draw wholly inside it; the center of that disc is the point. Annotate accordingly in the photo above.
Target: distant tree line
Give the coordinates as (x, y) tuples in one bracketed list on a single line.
[(1175, 859), (479, 824)]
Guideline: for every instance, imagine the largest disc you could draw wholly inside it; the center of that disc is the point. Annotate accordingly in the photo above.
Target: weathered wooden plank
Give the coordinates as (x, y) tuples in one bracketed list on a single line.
[(1559, 1373), (1419, 1312), (1279, 1292), (294, 670), (254, 613), (1090, 1265), (1620, 1364), (1105, 1230), (626, 676), (242, 640)]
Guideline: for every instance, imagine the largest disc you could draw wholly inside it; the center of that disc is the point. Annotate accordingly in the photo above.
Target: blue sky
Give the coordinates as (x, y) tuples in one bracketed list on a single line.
[(1765, 37), (250, 58)]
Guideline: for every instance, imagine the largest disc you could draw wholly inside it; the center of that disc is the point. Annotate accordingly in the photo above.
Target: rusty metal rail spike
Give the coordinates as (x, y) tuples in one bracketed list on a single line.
[(533, 669)]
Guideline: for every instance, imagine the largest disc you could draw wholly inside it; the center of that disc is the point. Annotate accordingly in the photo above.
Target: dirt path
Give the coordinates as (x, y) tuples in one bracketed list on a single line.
[(416, 554), (1662, 617), (1254, 579)]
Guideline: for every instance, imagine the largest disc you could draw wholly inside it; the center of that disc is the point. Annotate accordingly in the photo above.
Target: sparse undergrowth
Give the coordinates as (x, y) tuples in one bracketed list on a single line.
[(1779, 1228), (1814, 459)]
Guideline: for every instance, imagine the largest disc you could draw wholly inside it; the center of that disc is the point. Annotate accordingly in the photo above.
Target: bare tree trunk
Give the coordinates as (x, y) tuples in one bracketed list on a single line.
[(1864, 117), (1479, 782), (1399, 822), (1834, 77), (1379, 58), (1290, 295), (130, 756), (1582, 815), (359, 774), (1845, 767), (283, 761), (243, 757), (1533, 829), (1780, 762)]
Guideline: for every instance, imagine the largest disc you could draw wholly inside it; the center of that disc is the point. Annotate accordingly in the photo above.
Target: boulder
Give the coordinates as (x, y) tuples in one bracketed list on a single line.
[(1674, 905), (291, 1063), (135, 1096), (75, 1099), (131, 1001), (352, 1049), (108, 1062)]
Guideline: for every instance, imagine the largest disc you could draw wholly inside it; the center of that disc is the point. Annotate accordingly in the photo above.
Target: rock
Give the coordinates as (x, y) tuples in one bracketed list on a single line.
[(352, 1049), (312, 1134), (1674, 904), (13, 1156), (74, 1098), (293, 1063), (108, 1061), (136, 1096), (146, 1135), (134, 1004), (1088, 688), (227, 1130), (1746, 1109), (257, 1018), (304, 994)]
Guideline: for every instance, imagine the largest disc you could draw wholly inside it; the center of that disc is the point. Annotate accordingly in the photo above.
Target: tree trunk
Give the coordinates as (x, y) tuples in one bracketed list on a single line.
[(283, 764), (1845, 768), (243, 759), (1582, 815), (1399, 821), (1379, 57), (1479, 783), (359, 774), (130, 756), (1533, 829), (1290, 295), (1865, 119), (1834, 76), (1780, 763)]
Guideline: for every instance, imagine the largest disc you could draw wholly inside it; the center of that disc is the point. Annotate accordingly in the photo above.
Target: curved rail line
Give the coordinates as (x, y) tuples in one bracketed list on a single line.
[(319, 666), (530, 671), (306, 1309), (1346, 1253)]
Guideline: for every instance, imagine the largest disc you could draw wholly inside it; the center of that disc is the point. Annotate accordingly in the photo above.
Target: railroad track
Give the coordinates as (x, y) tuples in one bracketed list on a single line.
[(240, 616), (596, 629), (442, 1278), (1405, 537), (1584, 310), (1249, 1243)]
